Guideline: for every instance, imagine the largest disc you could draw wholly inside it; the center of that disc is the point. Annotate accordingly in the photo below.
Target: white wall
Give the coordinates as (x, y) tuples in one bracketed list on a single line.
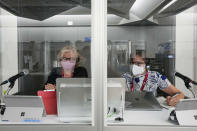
[(185, 46), (8, 47)]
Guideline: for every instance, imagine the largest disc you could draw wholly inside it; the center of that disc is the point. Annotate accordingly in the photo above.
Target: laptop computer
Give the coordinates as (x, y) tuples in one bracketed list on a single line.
[(74, 100), (186, 112), (141, 101), (23, 109)]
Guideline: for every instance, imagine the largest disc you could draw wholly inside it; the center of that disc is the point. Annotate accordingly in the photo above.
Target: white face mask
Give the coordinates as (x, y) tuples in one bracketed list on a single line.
[(138, 70)]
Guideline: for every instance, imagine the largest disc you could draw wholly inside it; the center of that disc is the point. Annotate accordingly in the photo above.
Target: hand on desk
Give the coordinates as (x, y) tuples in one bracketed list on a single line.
[(172, 101), (175, 95), (50, 87)]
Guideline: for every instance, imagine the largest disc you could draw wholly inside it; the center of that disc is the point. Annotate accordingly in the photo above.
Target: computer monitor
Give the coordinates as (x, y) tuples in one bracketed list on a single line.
[(74, 99)]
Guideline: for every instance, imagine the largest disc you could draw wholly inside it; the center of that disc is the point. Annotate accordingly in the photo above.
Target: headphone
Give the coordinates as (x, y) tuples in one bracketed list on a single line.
[(78, 60)]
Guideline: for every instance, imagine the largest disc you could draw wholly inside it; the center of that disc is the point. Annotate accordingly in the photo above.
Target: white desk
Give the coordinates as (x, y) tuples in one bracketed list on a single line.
[(49, 119), (133, 120), (144, 118), (130, 118)]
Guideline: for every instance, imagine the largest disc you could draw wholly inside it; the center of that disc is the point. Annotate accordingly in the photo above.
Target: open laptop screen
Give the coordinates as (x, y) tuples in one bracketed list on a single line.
[(23, 109), (141, 101), (73, 97)]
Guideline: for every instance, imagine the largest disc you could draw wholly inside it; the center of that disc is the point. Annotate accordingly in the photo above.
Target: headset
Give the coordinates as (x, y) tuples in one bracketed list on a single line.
[(78, 60)]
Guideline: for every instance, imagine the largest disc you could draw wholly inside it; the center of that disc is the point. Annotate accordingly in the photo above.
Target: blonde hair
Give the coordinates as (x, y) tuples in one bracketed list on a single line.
[(69, 49)]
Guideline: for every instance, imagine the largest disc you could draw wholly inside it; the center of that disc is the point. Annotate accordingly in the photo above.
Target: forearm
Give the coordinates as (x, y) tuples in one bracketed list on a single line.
[(178, 95), (174, 95), (173, 100)]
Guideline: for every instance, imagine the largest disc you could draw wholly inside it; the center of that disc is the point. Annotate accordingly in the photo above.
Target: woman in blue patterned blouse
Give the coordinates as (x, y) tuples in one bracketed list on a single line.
[(142, 80)]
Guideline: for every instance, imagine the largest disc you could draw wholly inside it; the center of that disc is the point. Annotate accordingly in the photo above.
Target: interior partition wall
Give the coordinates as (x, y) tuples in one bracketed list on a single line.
[(167, 48), (98, 20)]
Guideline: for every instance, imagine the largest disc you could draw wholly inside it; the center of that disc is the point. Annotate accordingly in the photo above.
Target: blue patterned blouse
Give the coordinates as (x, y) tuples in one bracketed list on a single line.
[(154, 80)]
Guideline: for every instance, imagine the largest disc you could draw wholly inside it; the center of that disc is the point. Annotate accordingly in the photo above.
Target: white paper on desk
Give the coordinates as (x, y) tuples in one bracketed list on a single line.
[(163, 103), (187, 117), (49, 90)]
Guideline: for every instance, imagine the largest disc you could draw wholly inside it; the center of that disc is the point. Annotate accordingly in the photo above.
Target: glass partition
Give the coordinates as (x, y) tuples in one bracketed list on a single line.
[(153, 52), (144, 64), (49, 45)]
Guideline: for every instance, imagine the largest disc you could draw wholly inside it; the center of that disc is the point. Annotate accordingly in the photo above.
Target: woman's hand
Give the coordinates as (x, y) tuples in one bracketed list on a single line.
[(50, 87), (175, 95), (172, 101)]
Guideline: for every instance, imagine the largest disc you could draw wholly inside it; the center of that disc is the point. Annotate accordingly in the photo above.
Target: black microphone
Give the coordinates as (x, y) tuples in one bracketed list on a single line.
[(185, 78), (13, 78)]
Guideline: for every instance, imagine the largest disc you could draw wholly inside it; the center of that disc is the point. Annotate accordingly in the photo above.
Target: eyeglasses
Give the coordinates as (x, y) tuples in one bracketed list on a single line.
[(68, 59), (138, 63)]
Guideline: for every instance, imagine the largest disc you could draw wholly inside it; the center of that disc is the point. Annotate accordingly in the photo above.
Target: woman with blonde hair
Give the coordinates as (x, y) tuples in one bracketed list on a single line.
[(69, 60)]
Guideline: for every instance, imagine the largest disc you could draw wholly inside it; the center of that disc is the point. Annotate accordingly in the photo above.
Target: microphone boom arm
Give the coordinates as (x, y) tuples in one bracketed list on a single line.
[(187, 82)]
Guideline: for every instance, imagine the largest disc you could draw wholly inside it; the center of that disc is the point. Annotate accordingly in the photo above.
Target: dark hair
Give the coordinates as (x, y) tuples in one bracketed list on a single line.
[(143, 58), (138, 55)]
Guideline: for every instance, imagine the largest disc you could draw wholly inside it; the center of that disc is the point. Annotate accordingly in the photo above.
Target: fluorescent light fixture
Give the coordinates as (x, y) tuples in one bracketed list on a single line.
[(169, 4), (69, 22), (138, 4)]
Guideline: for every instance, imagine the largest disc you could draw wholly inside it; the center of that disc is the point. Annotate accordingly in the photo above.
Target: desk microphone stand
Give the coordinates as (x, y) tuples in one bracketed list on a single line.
[(10, 86), (187, 84), (2, 104)]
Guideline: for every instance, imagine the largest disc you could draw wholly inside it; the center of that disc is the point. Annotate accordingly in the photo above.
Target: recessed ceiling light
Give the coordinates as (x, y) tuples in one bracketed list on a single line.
[(69, 22)]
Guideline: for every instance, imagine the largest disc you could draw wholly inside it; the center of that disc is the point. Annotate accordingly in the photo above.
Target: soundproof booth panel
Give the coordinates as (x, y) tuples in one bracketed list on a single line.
[(115, 94), (74, 97)]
